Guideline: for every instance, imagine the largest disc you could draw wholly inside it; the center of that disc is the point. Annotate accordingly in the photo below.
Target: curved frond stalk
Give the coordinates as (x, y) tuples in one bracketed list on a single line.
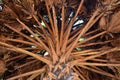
[(67, 32), (27, 52), (88, 39), (46, 24), (20, 41), (98, 64), (33, 35), (56, 31), (26, 64), (27, 37), (62, 26), (93, 56), (99, 71), (27, 74), (90, 44), (53, 52), (33, 76), (85, 29), (77, 71), (49, 15)]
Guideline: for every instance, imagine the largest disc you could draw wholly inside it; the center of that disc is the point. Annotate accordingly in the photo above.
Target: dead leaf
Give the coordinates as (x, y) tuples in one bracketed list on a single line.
[(17, 26), (116, 42), (2, 67), (102, 23), (114, 24)]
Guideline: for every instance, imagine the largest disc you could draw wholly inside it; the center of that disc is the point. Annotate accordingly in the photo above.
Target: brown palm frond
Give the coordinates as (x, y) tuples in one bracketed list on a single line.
[(47, 37)]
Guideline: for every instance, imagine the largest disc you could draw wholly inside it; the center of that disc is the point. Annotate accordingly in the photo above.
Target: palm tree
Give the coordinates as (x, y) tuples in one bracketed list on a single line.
[(60, 39)]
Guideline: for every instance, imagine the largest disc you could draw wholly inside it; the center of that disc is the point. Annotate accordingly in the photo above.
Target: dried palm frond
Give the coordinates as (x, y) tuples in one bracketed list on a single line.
[(2, 67), (55, 44)]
